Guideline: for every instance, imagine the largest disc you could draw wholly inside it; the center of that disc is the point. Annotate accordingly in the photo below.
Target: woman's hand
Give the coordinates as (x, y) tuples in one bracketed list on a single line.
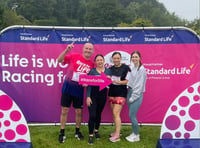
[(109, 77), (88, 101), (85, 85), (116, 82)]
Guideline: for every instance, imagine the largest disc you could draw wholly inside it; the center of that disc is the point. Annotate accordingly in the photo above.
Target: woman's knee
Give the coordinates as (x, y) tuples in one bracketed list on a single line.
[(92, 117)]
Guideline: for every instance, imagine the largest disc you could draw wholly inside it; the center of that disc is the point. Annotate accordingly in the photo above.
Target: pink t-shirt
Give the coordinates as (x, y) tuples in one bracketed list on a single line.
[(77, 65)]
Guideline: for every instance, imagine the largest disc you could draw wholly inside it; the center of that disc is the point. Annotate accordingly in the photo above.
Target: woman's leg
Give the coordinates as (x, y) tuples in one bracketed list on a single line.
[(92, 116), (117, 120), (101, 101), (111, 105), (133, 109)]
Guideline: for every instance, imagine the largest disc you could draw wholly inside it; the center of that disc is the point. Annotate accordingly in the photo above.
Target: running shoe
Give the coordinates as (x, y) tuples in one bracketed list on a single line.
[(79, 136)]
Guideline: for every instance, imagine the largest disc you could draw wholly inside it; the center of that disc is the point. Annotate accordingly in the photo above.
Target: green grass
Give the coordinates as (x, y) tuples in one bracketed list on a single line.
[(47, 137)]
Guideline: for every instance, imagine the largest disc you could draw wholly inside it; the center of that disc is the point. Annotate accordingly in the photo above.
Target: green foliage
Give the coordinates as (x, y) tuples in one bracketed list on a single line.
[(195, 25), (103, 13), (137, 23), (9, 17), (142, 23), (45, 22), (47, 137), (89, 13)]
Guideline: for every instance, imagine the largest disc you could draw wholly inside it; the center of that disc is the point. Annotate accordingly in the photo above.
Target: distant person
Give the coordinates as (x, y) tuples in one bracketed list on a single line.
[(136, 83), (117, 92), (96, 99), (71, 90)]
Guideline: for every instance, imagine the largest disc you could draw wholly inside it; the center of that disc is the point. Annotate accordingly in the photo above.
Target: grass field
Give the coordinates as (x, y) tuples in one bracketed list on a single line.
[(47, 137)]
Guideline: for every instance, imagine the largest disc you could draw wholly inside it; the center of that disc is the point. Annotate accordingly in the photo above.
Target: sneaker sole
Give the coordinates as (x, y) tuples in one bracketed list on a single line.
[(115, 140), (111, 135), (90, 143), (76, 136), (132, 140), (63, 140)]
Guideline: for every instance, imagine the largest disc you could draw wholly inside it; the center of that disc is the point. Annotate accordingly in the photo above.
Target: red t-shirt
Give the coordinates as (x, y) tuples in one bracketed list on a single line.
[(77, 65)]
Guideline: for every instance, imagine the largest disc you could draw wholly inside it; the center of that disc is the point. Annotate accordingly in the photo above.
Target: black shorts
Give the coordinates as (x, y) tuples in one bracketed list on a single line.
[(66, 101)]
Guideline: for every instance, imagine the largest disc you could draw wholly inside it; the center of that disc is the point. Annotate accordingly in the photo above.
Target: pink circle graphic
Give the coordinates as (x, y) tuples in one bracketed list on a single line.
[(167, 136), (6, 102), (21, 140), (174, 108), (9, 134), (189, 125), (187, 135), (182, 113), (196, 98), (184, 101), (21, 129), (172, 122), (7, 123), (178, 134), (194, 111), (1, 115), (15, 115), (1, 140), (190, 89), (0, 124), (0, 134)]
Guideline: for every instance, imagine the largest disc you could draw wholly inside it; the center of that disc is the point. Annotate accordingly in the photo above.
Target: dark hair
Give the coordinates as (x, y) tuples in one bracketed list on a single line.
[(116, 52), (139, 54), (98, 55)]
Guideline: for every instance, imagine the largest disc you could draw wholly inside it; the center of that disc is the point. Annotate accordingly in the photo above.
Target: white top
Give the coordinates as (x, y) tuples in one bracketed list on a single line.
[(136, 80)]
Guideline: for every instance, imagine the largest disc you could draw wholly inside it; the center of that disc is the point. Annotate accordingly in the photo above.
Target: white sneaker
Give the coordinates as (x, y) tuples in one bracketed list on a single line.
[(130, 136), (133, 138)]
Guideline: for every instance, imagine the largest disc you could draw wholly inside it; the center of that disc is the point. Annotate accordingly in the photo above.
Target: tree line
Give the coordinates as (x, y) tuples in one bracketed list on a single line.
[(90, 13)]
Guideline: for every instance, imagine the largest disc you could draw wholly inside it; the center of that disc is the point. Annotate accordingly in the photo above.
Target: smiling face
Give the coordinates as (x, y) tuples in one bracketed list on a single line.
[(99, 61), (88, 50), (116, 60), (135, 58)]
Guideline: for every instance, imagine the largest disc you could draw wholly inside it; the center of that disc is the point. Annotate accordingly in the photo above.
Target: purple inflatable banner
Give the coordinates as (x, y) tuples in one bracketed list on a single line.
[(32, 77)]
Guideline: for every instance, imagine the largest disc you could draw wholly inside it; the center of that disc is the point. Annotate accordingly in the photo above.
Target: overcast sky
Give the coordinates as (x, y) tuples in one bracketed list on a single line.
[(186, 9)]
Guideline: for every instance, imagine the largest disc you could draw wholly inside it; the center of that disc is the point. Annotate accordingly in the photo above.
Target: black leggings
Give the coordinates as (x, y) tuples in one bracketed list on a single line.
[(95, 111)]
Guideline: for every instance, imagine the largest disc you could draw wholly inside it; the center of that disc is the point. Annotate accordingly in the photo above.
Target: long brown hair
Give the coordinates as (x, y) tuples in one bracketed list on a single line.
[(139, 54)]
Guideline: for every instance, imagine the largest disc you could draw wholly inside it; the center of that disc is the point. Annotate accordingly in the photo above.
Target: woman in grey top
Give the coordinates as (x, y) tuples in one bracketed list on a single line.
[(136, 83)]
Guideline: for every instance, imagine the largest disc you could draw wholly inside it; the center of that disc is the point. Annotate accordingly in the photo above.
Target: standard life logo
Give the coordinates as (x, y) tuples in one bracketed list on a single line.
[(155, 38)]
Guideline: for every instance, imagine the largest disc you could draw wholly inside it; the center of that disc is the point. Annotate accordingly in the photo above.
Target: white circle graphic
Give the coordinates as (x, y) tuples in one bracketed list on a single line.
[(125, 58)]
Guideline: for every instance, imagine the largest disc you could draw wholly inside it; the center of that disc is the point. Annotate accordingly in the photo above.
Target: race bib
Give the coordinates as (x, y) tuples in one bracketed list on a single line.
[(75, 76), (115, 78)]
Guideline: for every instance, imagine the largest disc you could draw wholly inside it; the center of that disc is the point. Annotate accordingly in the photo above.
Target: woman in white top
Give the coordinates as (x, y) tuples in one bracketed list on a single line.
[(136, 83)]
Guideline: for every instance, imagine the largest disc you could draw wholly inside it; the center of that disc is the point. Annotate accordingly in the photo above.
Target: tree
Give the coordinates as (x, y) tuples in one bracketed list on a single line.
[(69, 12), (195, 25), (103, 13), (137, 23), (94, 13), (132, 11), (14, 19), (125, 3), (33, 9)]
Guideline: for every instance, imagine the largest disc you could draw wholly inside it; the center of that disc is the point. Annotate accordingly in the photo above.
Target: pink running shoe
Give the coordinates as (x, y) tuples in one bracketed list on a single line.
[(115, 138), (112, 134)]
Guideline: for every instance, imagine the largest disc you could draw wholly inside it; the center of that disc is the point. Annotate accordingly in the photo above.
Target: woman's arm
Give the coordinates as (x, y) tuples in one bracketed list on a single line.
[(139, 85)]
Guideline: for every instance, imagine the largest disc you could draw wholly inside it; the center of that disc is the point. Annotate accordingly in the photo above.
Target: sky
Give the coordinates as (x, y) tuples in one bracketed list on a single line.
[(185, 9)]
